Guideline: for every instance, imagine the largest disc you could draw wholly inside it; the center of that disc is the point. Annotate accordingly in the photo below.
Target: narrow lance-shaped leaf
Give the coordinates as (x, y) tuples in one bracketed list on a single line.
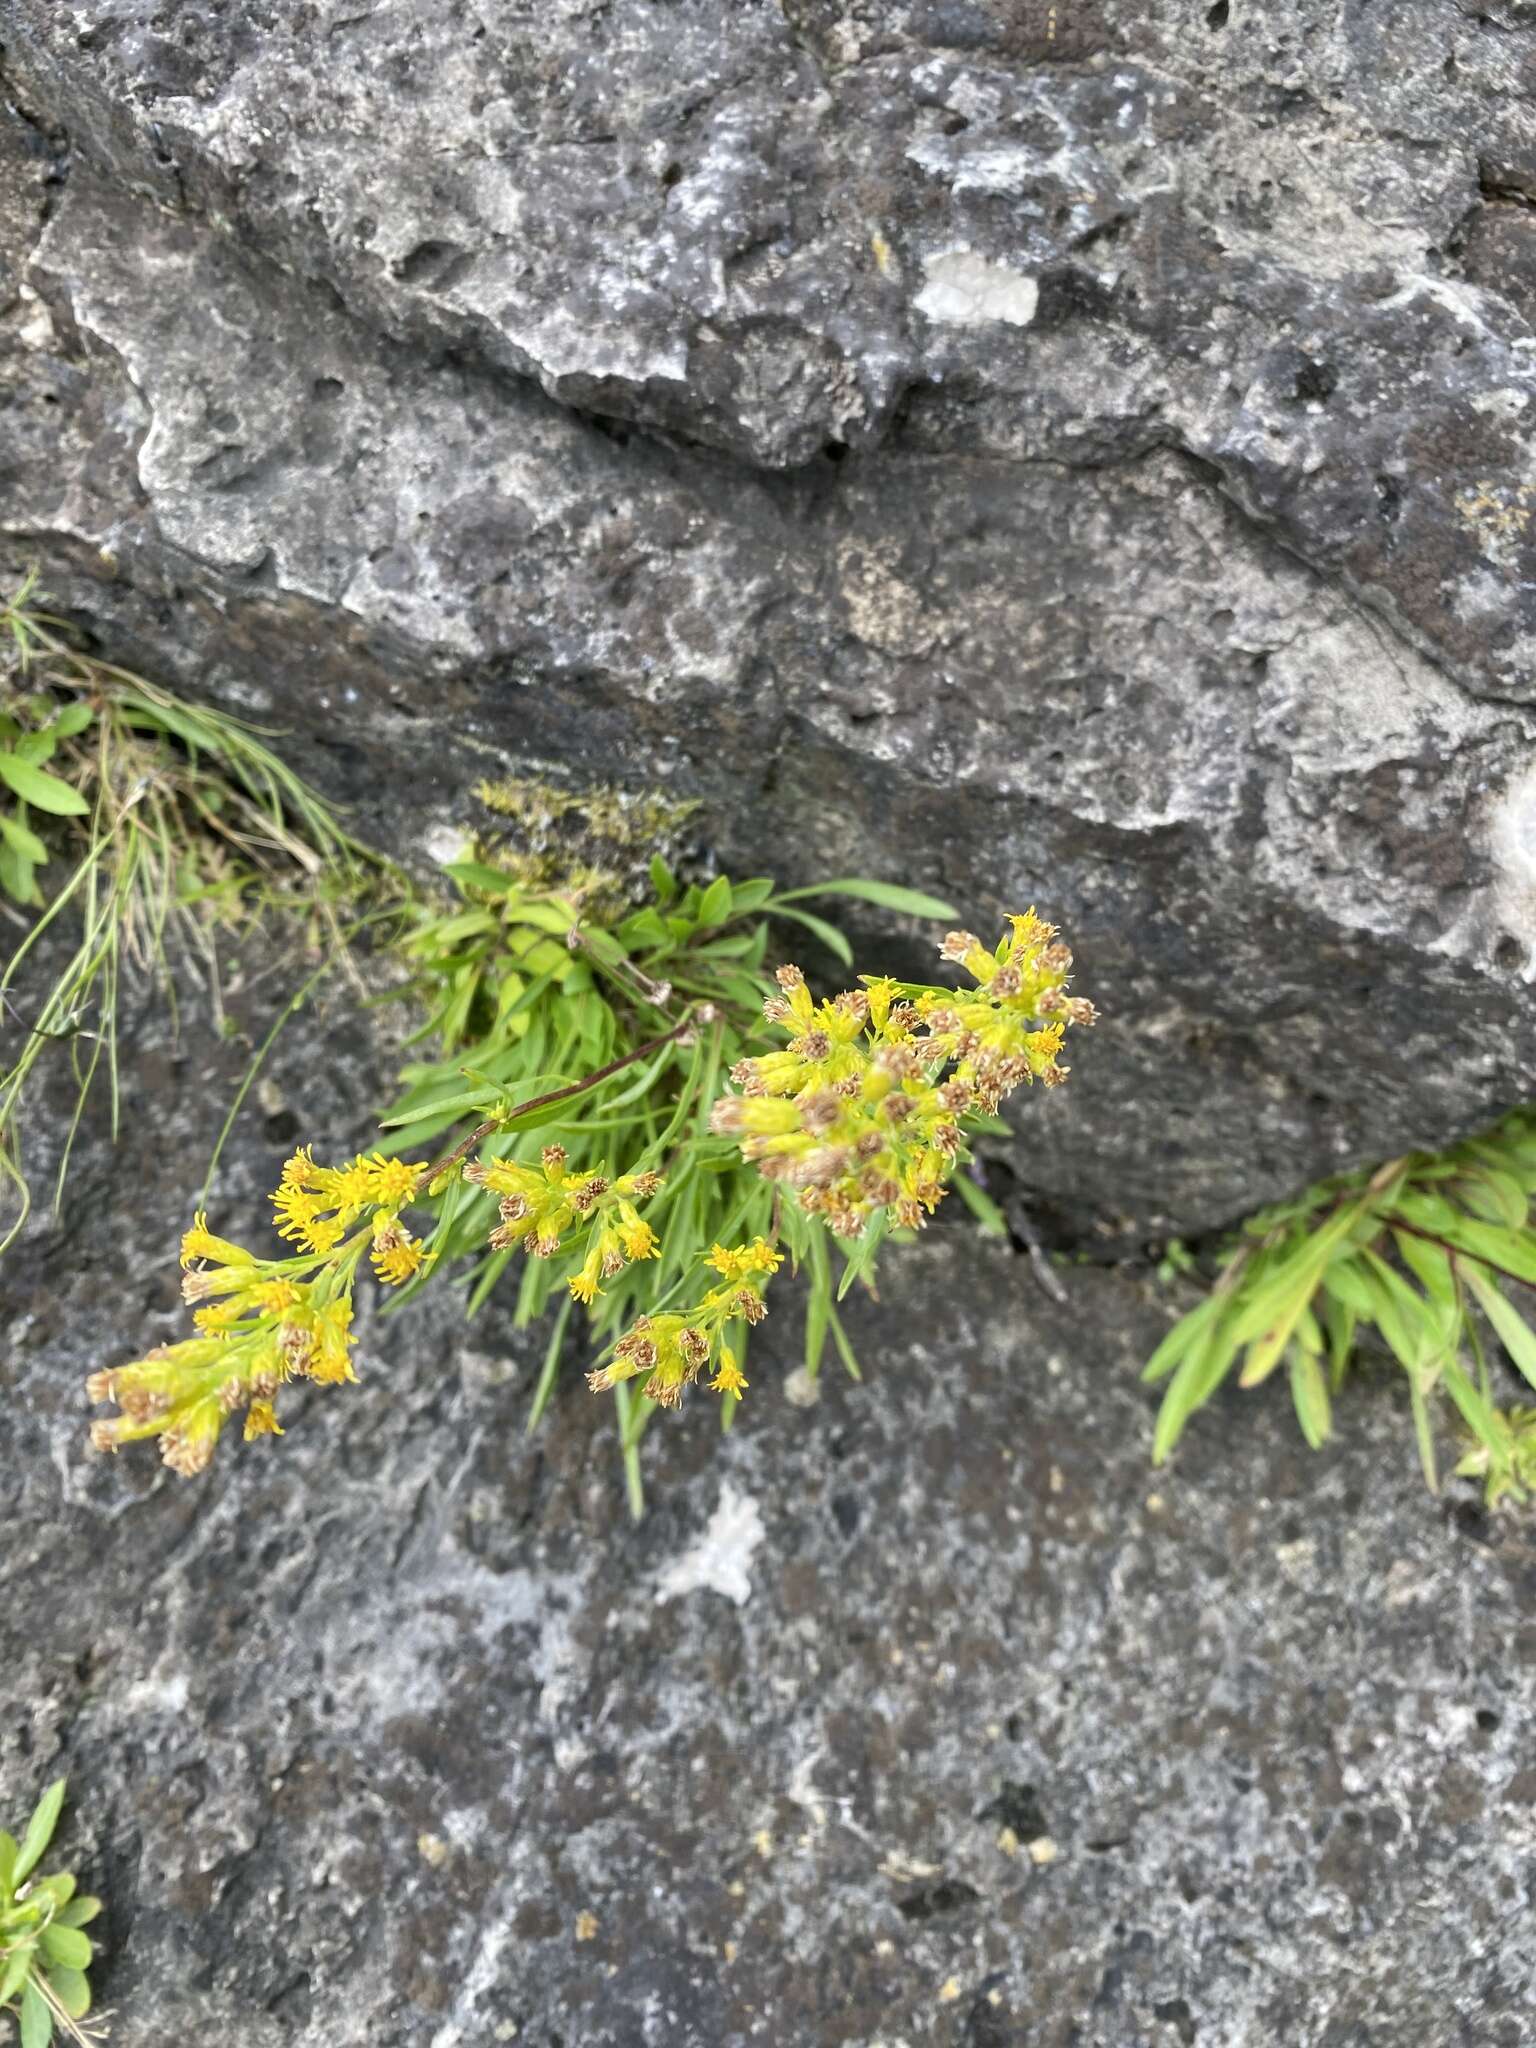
[(1514, 1332), (45, 1818), (889, 896), (1309, 1395), (1202, 1372)]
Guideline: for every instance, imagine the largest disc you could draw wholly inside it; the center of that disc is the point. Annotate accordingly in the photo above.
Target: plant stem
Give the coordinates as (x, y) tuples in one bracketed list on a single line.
[(705, 1013)]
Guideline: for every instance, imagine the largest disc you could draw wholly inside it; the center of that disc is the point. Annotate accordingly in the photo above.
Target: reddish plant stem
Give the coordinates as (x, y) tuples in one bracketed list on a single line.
[(703, 1014)]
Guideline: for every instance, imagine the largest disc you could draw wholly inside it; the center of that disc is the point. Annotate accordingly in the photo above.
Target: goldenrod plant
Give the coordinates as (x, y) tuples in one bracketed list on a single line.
[(172, 825), (655, 1126), (1429, 1253), (44, 1953)]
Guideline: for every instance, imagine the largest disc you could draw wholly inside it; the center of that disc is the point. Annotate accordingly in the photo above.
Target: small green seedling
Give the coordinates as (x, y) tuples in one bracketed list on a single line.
[(44, 1954)]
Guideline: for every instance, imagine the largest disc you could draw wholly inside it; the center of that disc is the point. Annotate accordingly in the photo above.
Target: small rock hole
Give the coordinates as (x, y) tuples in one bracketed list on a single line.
[(1218, 14)]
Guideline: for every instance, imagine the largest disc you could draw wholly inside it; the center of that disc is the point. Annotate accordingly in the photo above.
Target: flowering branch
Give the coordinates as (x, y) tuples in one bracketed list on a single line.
[(859, 1124)]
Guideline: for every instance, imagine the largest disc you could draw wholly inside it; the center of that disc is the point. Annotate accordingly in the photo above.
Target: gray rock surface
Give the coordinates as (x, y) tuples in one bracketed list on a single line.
[(1075, 455), (360, 1726)]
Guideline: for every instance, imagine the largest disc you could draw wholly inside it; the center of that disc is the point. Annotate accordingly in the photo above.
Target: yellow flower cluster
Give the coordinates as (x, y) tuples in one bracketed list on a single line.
[(993, 1032), (317, 1205), (262, 1322), (675, 1350), (542, 1205), (863, 1110)]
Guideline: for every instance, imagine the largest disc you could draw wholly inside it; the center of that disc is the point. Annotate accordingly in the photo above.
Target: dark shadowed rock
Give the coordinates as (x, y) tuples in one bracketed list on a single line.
[(1075, 456)]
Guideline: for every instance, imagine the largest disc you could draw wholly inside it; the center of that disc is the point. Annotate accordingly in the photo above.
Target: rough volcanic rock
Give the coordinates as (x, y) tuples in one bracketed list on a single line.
[(927, 1715), (1078, 455)]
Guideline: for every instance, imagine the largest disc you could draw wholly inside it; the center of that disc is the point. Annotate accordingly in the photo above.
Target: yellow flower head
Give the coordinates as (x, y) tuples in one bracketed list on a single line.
[(636, 1235), (332, 1362), (741, 1260), (396, 1254), (391, 1182), (300, 1171), (348, 1187), (220, 1315), (297, 1207), (273, 1296), (729, 1378), (200, 1243), (261, 1420)]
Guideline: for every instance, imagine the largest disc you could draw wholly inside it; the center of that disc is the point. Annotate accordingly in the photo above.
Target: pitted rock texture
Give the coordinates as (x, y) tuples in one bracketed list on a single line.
[(927, 1715), (1075, 455)]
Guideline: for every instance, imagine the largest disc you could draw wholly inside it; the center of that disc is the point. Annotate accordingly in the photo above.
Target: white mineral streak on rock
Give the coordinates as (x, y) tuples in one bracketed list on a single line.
[(967, 290), (720, 1561)]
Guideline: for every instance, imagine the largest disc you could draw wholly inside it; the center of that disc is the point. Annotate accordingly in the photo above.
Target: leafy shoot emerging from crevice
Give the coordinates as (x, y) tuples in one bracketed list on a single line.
[(44, 1953), (153, 829), (1430, 1254)]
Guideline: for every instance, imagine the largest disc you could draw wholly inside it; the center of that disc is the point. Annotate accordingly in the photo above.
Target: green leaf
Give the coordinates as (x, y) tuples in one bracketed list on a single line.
[(1514, 1332), (1476, 1413), (1309, 1395), (1202, 1372), (36, 2019), (16, 877), (72, 1991), (47, 792), (67, 1946), (663, 881), (645, 928), (1186, 1332), (1497, 1197), (80, 1911), (715, 904), (747, 896), (17, 1964), (844, 1349), (981, 1205), (1508, 1251), (1347, 1285), (474, 874), (862, 1257), (911, 902), (453, 1107), (35, 748), (45, 1818), (1340, 1325), (1266, 1351), (1423, 1433), (828, 934), (10, 1849), (1405, 1319), (73, 719), (1290, 1274), (818, 1306), (23, 839), (1429, 1265)]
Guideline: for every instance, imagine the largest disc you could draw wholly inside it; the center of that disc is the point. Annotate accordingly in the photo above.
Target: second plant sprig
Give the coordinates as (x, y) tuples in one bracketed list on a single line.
[(1424, 1252)]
